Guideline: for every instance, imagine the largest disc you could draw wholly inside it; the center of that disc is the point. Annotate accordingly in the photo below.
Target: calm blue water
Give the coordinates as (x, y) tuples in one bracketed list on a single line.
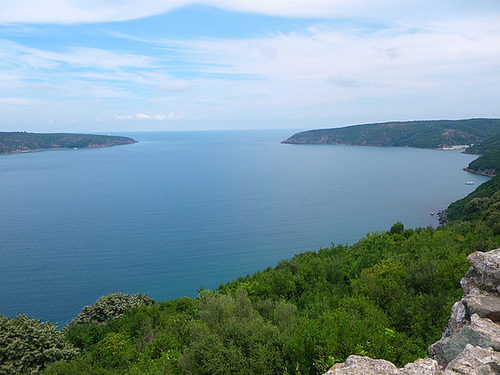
[(184, 209)]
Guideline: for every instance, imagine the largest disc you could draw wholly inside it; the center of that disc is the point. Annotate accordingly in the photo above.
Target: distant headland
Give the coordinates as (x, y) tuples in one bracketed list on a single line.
[(18, 142), (476, 136)]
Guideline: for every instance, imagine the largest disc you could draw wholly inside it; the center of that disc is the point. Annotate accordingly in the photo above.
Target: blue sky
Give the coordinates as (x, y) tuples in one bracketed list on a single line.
[(122, 65)]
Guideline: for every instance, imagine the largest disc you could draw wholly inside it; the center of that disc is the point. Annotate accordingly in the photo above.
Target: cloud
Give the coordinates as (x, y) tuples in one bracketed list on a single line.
[(142, 116), (320, 70), (177, 86), (347, 56), (83, 11)]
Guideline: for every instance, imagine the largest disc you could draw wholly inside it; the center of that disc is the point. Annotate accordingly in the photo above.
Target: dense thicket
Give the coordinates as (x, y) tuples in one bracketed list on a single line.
[(474, 205)]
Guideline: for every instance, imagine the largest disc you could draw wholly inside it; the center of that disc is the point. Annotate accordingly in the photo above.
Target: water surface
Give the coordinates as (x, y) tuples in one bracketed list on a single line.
[(179, 210)]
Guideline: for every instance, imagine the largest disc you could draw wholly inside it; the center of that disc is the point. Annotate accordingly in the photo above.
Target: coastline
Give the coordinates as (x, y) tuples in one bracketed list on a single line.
[(479, 172), (63, 148)]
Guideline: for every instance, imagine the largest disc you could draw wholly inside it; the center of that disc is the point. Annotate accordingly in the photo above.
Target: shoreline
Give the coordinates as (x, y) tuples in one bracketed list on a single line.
[(479, 172), (63, 148)]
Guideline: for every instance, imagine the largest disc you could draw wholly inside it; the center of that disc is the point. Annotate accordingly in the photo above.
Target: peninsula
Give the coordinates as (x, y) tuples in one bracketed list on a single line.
[(476, 136), (17, 142), (420, 134)]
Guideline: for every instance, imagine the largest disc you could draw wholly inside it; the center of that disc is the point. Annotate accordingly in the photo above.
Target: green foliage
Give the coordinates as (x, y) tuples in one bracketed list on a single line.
[(489, 144), (456, 210), (230, 337), (109, 307), (397, 228), (27, 345), (488, 164)]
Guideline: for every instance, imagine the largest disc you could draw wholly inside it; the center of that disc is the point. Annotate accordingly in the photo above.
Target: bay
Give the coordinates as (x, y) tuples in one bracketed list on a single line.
[(180, 210)]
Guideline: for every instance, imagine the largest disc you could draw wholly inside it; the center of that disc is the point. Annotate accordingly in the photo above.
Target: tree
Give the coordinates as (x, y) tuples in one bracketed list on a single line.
[(109, 307), (27, 345)]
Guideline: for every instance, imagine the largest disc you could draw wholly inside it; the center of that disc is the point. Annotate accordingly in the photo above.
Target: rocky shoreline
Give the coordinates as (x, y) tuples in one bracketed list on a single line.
[(482, 172), (470, 343)]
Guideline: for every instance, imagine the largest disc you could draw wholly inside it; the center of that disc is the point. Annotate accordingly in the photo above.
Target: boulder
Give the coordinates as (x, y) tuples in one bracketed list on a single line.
[(475, 360), (486, 306), (356, 365), (425, 366), (480, 332), (483, 277)]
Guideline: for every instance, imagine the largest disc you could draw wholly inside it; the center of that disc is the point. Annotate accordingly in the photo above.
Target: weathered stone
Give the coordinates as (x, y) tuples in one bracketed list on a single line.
[(481, 332), (356, 365), (458, 319), (484, 275), (486, 306), (475, 360), (425, 366)]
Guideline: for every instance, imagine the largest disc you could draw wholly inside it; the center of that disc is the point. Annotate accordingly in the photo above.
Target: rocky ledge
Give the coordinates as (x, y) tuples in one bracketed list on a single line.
[(470, 344)]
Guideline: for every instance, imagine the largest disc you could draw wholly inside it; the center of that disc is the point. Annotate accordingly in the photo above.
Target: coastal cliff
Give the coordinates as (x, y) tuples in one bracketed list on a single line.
[(18, 142), (470, 343)]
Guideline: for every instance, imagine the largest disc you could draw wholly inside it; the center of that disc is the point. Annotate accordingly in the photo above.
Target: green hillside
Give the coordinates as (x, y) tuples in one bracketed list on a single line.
[(15, 142), (490, 144), (489, 162), (422, 134)]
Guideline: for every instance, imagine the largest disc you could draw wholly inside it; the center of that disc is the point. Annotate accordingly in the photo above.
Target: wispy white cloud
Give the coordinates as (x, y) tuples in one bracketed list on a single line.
[(82, 11), (159, 117), (392, 70)]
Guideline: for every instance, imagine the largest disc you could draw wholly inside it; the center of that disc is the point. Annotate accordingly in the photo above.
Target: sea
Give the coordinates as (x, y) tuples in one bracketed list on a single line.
[(182, 210)]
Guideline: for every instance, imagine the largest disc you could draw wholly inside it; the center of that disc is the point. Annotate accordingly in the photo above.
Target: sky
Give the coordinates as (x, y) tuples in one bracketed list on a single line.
[(159, 65)]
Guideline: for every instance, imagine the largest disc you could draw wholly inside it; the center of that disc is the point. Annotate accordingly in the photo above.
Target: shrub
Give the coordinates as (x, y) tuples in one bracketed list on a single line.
[(27, 345), (109, 307)]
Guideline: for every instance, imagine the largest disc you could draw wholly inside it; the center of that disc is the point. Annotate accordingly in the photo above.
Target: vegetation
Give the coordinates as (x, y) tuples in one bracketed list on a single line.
[(14, 142), (487, 165), (475, 205), (109, 307), (422, 134), (27, 345), (490, 144)]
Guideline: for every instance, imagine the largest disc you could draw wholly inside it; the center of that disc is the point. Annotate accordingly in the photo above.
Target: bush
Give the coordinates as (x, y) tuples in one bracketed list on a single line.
[(109, 307), (27, 345)]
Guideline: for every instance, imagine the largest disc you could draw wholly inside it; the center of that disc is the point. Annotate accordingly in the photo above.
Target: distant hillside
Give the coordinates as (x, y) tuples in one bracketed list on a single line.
[(490, 144), (421, 134), (15, 142), (489, 163)]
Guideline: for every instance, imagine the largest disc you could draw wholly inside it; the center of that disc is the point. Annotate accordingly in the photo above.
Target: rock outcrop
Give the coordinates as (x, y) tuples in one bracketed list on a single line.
[(470, 344)]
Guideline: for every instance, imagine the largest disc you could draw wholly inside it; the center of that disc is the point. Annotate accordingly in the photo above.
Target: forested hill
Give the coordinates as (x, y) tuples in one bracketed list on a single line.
[(421, 134), (14, 142)]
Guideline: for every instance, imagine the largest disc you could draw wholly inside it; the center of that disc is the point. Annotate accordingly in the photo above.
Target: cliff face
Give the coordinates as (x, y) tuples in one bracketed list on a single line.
[(470, 344)]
